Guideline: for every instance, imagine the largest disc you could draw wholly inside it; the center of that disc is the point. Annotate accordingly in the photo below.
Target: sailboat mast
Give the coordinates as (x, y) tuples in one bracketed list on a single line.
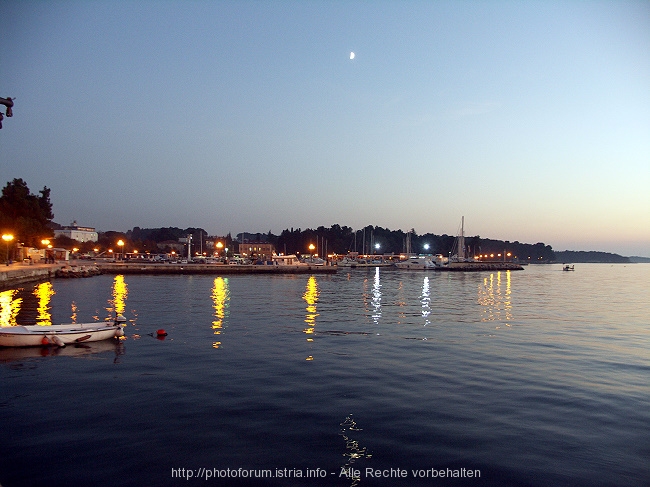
[(461, 241)]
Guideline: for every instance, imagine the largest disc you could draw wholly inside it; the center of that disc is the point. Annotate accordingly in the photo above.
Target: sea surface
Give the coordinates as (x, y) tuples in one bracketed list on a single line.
[(367, 377)]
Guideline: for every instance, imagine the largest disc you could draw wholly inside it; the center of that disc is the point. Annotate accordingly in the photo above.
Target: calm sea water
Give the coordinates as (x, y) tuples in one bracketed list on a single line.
[(366, 377)]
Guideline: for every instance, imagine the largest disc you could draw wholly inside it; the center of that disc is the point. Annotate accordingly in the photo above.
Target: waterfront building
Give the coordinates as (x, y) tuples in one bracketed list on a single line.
[(75, 232), (260, 250)]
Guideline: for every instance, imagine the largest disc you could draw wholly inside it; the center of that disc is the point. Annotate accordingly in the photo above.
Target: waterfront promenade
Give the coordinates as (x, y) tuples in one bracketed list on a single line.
[(20, 273)]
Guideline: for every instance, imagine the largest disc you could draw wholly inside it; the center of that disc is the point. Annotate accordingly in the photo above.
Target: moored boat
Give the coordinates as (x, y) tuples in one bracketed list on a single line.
[(422, 262), (61, 335)]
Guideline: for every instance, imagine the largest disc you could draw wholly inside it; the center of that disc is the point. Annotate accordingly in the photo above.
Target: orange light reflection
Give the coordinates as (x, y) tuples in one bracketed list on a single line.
[(9, 307), (44, 292), (220, 303)]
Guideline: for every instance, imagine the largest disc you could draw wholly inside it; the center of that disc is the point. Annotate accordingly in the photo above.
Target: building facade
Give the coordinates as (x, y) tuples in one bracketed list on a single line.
[(261, 250), (75, 232)]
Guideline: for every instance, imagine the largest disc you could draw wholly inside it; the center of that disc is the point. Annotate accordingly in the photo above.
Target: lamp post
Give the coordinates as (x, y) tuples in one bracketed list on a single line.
[(120, 243), (7, 237), (46, 243)]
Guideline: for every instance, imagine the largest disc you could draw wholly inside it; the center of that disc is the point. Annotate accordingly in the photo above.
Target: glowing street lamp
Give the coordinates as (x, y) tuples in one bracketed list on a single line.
[(45, 242), (7, 237), (219, 247), (121, 244)]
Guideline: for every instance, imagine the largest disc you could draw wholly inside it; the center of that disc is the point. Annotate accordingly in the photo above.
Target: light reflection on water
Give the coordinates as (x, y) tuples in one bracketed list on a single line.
[(117, 305), (495, 298), (425, 299), (376, 297), (44, 292), (220, 302), (310, 296), (9, 307), (354, 452)]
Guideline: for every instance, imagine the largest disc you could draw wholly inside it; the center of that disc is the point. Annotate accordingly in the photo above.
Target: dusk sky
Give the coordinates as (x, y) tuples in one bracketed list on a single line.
[(531, 119)]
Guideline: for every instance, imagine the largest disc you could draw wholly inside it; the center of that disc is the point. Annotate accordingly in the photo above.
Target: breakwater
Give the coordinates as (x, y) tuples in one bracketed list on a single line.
[(219, 269), (78, 271), (17, 274), (481, 266), (21, 273)]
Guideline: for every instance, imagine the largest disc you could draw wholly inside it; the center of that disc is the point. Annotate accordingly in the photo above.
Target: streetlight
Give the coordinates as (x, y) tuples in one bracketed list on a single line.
[(219, 247), (121, 244), (7, 237), (46, 243), (377, 247)]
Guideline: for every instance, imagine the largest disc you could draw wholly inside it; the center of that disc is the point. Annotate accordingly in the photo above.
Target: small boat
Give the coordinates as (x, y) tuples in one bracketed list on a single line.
[(568, 267), (61, 335)]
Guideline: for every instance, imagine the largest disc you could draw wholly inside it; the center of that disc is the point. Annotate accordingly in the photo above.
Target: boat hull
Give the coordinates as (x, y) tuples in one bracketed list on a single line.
[(36, 335)]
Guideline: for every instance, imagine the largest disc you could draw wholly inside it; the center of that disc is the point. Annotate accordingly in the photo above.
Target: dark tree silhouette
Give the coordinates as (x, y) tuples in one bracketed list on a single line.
[(25, 215)]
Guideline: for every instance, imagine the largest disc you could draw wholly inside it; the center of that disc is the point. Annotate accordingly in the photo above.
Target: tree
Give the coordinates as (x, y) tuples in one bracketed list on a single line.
[(24, 214)]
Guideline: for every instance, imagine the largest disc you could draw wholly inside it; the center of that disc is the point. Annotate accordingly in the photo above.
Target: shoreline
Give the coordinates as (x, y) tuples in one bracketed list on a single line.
[(19, 273), (217, 269)]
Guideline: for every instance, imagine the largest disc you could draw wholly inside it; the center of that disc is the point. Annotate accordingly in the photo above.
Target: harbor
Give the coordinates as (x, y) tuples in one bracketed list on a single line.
[(21, 273)]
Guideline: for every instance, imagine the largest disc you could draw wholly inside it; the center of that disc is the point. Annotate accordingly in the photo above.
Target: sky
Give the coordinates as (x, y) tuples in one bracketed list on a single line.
[(530, 119)]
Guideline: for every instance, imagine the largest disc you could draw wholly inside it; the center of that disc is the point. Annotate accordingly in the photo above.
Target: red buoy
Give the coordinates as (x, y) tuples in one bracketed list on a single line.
[(161, 333), (45, 341)]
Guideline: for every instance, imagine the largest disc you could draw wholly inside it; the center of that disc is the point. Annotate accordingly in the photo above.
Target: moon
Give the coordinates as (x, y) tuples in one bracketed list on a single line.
[(351, 55)]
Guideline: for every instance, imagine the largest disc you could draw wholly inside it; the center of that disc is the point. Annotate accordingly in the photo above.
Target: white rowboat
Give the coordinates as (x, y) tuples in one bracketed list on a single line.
[(60, 335)]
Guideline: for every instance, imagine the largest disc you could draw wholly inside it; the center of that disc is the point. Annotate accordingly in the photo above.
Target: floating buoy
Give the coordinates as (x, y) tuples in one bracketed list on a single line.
[(45, 341), (161, 333), (58, 341)]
